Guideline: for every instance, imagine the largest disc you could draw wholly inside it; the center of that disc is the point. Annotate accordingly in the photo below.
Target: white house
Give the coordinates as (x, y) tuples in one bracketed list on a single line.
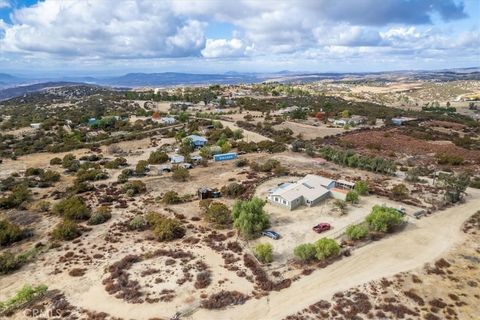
[(309, 191)]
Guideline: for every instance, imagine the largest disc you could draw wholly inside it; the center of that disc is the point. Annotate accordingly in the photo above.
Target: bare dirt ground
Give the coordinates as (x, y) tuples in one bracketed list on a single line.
[(423, 241), (247, 135), (308, 131)]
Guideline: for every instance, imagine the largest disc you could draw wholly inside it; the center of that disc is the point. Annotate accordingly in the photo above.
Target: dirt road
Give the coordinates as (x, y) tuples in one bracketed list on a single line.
[(423, 241)]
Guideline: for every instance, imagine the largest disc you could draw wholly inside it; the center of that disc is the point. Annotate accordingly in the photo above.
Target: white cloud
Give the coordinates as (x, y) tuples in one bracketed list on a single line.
[(223, 48), (4, 4)]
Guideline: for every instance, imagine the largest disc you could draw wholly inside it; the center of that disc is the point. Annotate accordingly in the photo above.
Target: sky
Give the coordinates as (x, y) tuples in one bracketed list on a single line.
[(112, 37)]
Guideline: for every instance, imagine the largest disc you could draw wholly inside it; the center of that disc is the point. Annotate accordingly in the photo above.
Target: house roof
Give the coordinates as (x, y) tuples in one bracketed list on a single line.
[(310, 187), (195, 138)]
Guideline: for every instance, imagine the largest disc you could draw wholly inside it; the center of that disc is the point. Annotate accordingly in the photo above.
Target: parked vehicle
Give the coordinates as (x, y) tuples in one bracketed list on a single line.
[(321, 227), (271, 234), (186, 165)]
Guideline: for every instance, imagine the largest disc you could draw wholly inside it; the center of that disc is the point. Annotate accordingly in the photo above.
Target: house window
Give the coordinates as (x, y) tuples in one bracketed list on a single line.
[(284, 202)]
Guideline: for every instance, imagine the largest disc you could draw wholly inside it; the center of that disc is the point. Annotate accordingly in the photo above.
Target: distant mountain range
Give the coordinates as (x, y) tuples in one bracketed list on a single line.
[(12, 86)]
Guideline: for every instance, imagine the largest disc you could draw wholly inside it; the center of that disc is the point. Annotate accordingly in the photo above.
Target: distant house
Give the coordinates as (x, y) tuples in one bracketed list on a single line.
[(35, 125), (398, 121), (168, 120), (206, 192), (225, 156), (309, 191), (197, 141), (177, 158), (353, 120)]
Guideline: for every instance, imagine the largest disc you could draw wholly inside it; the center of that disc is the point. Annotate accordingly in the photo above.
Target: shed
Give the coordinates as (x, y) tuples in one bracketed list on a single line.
[(92, 121), (225, 156), (35, 125)]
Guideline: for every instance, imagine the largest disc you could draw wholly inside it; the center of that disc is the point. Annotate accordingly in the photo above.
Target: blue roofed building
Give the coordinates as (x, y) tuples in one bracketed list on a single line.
[(197, 141)]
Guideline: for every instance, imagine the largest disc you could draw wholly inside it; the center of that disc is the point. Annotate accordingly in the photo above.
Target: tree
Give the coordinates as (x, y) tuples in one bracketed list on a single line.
[(383, 219), (352, 197), (400, 191), (134, 187), (356, 231), (454, 185), (72, 208), (264, 252), (218, 214), (180, 174), (345, 114), (326, 248), (305, 252), (361, 187), (249, 218)]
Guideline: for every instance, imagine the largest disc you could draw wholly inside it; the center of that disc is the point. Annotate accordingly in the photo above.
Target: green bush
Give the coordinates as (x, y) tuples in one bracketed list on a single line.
[(357, 231), (171, 197), (141, 168), (218, 214), (66, 230), (20, 193), (55, 161), (158, 157), (134, 187), (326, 248), (10, 233), (361, 187), (73, 208), (165, 229), (400, 191), (383, 219), (264, 252), (24, 295), (138, 223), (241, 163), (180, 174), (352, 197), (102, 215), (9, 262), (249, 217), (233, 190), (116, 163), (305, 252)]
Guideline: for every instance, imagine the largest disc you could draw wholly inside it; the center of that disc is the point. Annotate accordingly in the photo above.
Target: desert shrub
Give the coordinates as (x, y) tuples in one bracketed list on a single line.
[(241, 163), (165, 229), (400, 191), (70, 163), (305, 252), (158, 157), (141, 168), (449, 159), (116, 163), (9, 262), (203, 280), (42, 206), (73, 208), (233, 190), (352, 197), (249, 217), (20, 194), (90, 175), (66, 230), (475, 183), (102, 215), (24, 295), (218, 214), (224, 298), (134, 187), (171, 197), (264, 252), (55, 161), (357, 231), (10, 233), (326, 248), (361, 187), (34, 172), (138, 223), (383, 218), (340, 205), (180, 174)]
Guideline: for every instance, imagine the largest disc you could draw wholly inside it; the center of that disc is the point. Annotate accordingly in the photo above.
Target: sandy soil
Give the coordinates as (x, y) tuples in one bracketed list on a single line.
[(422, 241), (307, 131), (247, 135)]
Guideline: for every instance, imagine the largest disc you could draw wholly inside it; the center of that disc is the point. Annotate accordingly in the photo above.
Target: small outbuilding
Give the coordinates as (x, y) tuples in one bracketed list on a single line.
[(225, 156), (197, 141), (177, 158)]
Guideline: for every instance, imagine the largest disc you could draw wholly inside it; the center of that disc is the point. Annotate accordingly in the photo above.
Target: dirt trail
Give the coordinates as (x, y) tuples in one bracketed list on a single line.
[(423, 241)]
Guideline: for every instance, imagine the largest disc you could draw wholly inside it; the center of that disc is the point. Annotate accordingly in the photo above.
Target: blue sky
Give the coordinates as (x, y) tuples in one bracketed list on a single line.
[(103, 37)]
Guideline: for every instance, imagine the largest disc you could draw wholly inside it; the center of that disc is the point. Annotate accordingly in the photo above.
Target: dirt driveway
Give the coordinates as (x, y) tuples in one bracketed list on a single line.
[(421, 242)]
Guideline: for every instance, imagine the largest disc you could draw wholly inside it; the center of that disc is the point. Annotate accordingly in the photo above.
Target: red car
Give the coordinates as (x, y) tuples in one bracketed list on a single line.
[(321, 227)]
